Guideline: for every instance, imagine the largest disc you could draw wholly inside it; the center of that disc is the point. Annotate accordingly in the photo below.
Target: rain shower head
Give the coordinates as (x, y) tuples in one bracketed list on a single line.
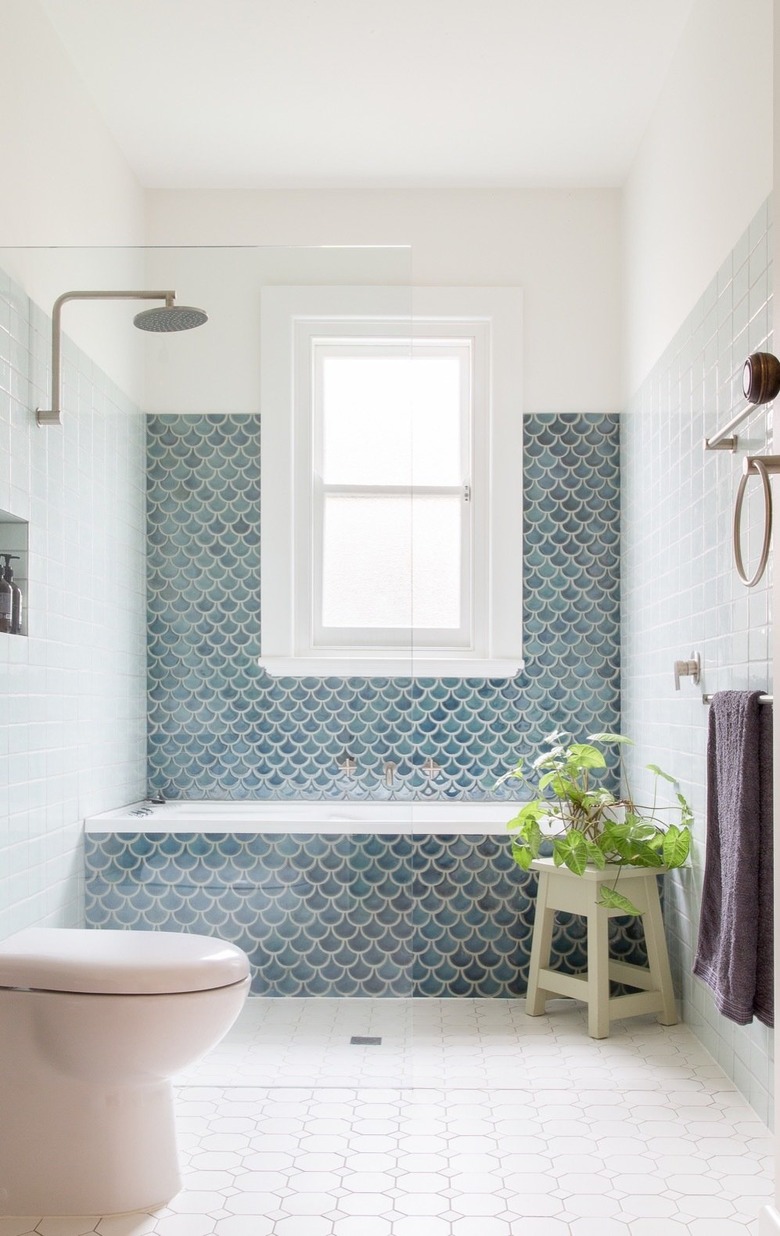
[(164, 318)]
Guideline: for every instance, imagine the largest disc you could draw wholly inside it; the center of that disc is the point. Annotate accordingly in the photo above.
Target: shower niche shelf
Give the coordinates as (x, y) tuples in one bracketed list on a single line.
[(14, 539)]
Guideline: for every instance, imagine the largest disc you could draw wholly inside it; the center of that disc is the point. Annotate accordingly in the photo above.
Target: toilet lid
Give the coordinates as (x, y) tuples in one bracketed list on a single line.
[(118, 962)]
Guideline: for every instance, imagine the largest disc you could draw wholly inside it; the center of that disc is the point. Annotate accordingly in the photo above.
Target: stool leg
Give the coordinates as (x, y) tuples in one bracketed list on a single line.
[(598, 973), (657, 954), (544, 917)]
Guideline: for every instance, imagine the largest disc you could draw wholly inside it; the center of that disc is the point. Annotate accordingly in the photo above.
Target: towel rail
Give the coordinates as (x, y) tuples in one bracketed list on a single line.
[(708, 697), (724, 439)]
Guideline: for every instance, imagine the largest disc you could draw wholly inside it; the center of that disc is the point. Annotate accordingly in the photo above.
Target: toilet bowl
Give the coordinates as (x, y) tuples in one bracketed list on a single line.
[(93, 1024)]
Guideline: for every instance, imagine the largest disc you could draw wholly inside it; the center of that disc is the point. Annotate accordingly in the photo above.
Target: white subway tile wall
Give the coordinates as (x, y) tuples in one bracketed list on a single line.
[(72, 726), (681, 592)]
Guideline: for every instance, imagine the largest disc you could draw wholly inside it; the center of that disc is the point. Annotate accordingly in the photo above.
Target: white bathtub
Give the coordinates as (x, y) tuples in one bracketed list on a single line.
[(309, 817)]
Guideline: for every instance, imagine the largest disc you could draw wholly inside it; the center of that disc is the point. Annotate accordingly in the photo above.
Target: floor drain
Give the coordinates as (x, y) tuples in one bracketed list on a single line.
[(365, 1040)]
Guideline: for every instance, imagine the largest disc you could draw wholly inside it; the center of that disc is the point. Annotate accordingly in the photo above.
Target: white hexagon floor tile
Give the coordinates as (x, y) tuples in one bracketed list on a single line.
[(467, 1119)]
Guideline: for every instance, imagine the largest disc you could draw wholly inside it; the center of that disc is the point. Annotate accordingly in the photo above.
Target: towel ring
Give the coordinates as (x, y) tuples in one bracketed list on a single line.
[(762, 467)]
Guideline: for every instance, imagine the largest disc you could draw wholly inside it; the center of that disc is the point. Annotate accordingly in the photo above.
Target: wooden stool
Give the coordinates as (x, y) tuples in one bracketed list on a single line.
[(560, 889)]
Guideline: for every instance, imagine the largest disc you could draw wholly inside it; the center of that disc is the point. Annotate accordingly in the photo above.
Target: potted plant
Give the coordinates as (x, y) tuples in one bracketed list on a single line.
[(587, 824)]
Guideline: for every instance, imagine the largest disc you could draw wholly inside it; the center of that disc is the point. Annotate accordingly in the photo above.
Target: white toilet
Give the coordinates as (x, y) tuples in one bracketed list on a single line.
[(93, 1024)]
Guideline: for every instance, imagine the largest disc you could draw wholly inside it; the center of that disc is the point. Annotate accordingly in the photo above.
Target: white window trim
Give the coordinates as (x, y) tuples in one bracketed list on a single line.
[(290, 315), (463, 641)]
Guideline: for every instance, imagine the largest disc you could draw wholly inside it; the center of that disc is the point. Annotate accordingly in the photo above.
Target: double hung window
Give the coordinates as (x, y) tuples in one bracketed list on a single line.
[(391, 545), (381, 487)]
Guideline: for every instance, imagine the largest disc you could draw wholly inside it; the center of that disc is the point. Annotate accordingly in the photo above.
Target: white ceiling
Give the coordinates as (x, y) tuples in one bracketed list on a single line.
[(315, 93)]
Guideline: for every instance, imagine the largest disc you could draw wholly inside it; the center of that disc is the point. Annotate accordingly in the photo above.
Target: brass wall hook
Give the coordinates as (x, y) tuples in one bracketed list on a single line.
[(760, 384), (761, 377)]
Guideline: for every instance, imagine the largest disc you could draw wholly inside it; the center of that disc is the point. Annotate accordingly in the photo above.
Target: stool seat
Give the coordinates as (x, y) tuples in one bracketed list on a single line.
[(561, 889)]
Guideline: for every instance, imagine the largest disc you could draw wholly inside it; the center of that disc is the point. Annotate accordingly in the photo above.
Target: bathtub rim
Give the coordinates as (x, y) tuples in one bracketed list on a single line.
[(336, 817)]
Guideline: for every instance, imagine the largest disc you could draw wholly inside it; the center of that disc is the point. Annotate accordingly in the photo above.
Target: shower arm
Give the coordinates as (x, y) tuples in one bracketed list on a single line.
[(52, 415)]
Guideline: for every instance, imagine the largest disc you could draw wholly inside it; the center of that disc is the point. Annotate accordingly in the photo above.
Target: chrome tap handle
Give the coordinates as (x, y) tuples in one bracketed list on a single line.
[(688, 669)]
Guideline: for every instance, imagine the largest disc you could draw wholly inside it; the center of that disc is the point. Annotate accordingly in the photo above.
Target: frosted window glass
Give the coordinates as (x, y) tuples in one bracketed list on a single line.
[(391, 420), (391, 561)]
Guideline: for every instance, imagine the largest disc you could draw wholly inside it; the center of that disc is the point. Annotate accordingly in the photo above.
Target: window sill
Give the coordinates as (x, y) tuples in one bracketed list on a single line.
[(412, 666)]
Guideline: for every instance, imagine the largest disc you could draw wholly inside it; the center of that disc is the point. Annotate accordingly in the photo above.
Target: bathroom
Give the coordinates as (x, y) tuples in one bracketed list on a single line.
[(642, 293)]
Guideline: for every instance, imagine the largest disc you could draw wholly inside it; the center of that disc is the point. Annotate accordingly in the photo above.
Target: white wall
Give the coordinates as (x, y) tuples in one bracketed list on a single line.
[(216, 368), (769, 1221), (65, 183), (703, 169), (698, 299), (680, 593), (562, 247), (72, 731)]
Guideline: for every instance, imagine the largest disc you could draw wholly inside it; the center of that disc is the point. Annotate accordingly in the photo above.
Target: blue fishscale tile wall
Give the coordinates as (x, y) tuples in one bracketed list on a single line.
[(219, 727), (343, 915)]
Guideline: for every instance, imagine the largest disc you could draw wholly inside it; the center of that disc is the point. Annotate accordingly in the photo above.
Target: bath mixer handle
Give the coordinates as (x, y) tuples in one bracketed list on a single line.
[(347, 764)]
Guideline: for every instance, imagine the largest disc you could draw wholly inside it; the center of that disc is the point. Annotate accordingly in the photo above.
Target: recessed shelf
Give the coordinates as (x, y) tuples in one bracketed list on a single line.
[(14, 539)]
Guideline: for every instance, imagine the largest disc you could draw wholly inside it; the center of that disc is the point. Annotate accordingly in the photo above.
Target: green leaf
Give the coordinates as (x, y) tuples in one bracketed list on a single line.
[(676, 846), (645, 855), (562, 787), (516, 772), (618, 828), (548, 757), (598, 798), (532, 811), (595, 856), (522, 855), (582, 755), (659, 772), (612, 836), (616, 901), (533, 836), (571, 851), (640, 830), (686, 814), (607, 737), (528, 811), (548, 777), (614, 841)]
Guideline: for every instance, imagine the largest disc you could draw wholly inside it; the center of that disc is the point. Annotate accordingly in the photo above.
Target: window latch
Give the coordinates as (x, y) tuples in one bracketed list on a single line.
[(467, 493)]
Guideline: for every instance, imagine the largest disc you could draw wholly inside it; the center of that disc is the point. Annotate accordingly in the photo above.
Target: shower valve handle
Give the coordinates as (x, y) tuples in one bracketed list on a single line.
[(688, 669)]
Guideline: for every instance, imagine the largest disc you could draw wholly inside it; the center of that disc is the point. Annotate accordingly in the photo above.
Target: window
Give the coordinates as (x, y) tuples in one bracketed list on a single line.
[(391, 483), (391, 475)]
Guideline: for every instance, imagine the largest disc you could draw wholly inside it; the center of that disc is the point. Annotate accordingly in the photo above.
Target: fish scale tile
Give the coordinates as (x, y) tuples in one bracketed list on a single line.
[(345, 914), (219, 727), (357, 915)]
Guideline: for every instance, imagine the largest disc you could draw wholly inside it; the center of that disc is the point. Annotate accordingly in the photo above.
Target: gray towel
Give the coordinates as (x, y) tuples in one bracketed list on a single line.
[(734, 954)]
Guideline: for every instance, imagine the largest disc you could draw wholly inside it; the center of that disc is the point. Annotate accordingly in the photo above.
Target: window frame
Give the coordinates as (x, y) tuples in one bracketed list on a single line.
[(310, 555), (294, 321)]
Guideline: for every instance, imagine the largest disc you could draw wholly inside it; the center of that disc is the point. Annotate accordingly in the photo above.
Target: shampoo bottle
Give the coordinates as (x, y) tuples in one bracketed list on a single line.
[(16, 595), (6, 604)]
